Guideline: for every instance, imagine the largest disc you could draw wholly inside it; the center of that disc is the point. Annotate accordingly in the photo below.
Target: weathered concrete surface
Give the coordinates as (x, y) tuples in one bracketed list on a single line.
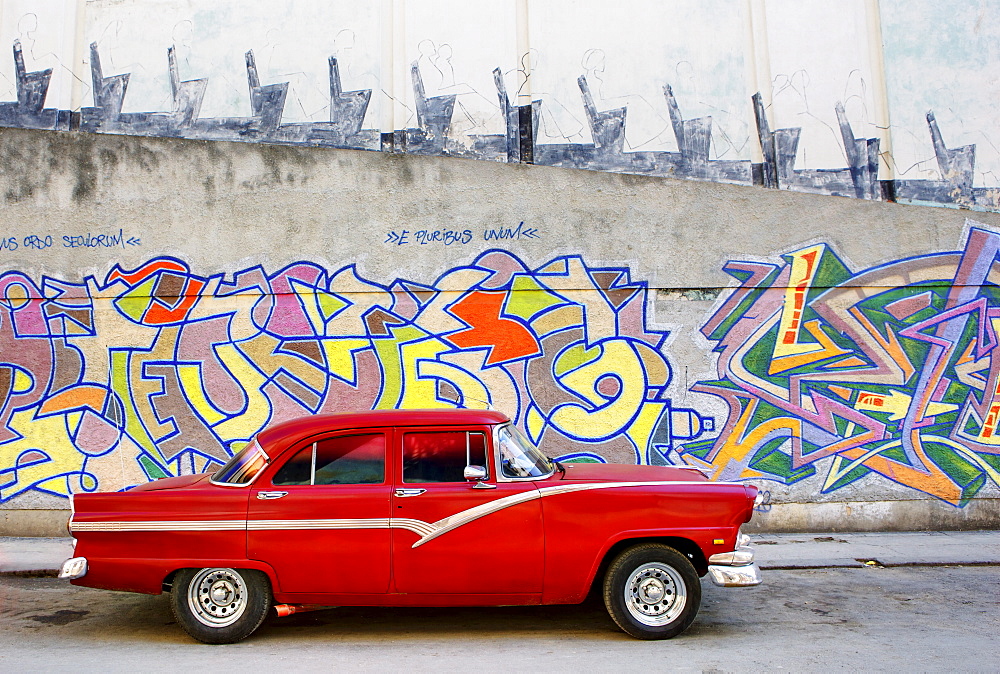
[(220, 208), (870, 619), (218, 203), (33, 522), (887, 515)]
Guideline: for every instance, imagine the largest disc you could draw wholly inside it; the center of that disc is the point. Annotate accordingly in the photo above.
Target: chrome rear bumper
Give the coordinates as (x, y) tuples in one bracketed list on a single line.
[(736, 568), (75, 567)]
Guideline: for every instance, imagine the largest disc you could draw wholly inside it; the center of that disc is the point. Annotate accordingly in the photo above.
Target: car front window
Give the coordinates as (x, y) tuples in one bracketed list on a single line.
[(520, 458), (243, 467), (441, 456)]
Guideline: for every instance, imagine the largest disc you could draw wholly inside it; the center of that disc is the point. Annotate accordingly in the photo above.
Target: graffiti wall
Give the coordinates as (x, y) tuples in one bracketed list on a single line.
[(829, 375), (833, 375), (159, 371), (868, 99), (162, 300)]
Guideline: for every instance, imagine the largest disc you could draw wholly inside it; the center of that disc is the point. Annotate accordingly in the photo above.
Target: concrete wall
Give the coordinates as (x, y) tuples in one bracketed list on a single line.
[(161, 300), (871, 99)]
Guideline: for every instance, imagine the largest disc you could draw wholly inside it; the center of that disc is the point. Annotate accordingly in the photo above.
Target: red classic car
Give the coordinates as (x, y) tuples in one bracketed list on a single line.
[(414, 508)]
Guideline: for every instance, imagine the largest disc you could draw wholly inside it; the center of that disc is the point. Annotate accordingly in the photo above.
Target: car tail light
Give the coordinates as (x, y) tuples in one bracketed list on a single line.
[(753, 495), (72, 511)]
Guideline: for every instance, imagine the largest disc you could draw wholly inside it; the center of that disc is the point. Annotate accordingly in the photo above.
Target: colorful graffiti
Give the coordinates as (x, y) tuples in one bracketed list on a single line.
[(892, 371), (157, 371)]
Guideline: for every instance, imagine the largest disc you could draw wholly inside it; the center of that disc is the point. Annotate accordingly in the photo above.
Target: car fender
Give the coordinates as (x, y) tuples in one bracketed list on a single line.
[(151, 575), (692, 536)]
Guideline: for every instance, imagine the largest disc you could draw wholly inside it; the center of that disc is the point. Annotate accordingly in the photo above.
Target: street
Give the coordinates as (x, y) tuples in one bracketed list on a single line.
[(931, 618)]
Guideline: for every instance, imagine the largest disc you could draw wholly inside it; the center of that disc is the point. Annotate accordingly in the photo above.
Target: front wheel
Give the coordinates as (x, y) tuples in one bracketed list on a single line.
[(652, 591), (220, 606)]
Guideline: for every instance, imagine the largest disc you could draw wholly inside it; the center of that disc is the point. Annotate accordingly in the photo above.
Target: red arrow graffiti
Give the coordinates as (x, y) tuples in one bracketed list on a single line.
[(506, 339)]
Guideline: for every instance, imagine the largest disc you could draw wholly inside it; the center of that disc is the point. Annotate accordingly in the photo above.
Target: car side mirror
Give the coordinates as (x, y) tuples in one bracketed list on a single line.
[(474, 473)]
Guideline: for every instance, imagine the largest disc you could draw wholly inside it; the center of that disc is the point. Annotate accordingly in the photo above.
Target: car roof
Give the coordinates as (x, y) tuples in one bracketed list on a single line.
[(303, 427)]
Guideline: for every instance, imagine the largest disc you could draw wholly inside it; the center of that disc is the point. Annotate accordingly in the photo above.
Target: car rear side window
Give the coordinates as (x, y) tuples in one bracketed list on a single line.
[(347, 459), (441, 456)]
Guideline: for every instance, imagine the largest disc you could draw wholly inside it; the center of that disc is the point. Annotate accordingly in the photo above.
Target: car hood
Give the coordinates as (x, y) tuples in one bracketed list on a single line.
[(614, 472), (171, 482)]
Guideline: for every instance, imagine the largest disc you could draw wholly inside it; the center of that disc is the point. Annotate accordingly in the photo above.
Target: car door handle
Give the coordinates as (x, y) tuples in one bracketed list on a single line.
[(402, 493), (268, 495)]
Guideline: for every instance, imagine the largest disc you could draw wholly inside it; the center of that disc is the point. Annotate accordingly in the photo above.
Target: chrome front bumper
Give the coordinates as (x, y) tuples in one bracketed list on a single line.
[(736, 568), (75, 567)]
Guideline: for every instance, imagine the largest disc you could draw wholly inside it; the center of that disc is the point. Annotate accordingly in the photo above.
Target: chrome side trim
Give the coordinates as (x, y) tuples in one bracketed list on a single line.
[(425, 530), (195, 525), (267, 525), (587, 486), (451, 523), (419, 527)]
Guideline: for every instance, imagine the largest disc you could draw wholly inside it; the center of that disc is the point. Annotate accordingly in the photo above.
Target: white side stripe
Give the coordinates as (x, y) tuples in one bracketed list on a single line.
[(419, 527), (455, 521), (265, 525), (194, 525), (425, 530)]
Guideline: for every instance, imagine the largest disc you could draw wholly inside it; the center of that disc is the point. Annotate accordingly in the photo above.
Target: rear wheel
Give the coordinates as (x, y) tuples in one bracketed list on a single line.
[(218, 605), (652, 591)]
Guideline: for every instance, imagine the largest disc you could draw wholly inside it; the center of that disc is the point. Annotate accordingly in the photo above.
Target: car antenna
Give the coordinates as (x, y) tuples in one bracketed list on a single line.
[(485, 402)]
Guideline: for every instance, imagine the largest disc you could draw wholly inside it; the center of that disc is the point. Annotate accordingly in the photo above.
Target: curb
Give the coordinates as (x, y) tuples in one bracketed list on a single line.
[(30, 573), (876, 565), (54, 573)]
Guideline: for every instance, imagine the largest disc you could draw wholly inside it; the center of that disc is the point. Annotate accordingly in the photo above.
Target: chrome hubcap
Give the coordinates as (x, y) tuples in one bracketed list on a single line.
[(651, 590), (223, 593), (217, 597), (655, 594)]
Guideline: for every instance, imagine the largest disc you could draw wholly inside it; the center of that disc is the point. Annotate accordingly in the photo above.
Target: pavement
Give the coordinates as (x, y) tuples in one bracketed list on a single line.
[(40, 557), (889, 549)]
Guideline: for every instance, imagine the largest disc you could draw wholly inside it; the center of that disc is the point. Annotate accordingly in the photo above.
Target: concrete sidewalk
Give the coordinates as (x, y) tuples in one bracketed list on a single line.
[(44, 556), (33, 556), (911, 548)]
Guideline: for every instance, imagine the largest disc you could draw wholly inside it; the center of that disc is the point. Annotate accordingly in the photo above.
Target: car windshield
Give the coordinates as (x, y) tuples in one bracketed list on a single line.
[(520, 458), (243, 467)]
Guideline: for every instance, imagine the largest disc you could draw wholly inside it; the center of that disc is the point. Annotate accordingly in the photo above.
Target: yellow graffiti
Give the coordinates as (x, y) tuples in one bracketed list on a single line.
[(189, 375), (897, 404), (604, 418), (258, 407)]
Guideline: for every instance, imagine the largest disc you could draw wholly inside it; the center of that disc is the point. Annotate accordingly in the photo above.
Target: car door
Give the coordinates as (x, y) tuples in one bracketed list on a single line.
[(457, 536), (322, 518)]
